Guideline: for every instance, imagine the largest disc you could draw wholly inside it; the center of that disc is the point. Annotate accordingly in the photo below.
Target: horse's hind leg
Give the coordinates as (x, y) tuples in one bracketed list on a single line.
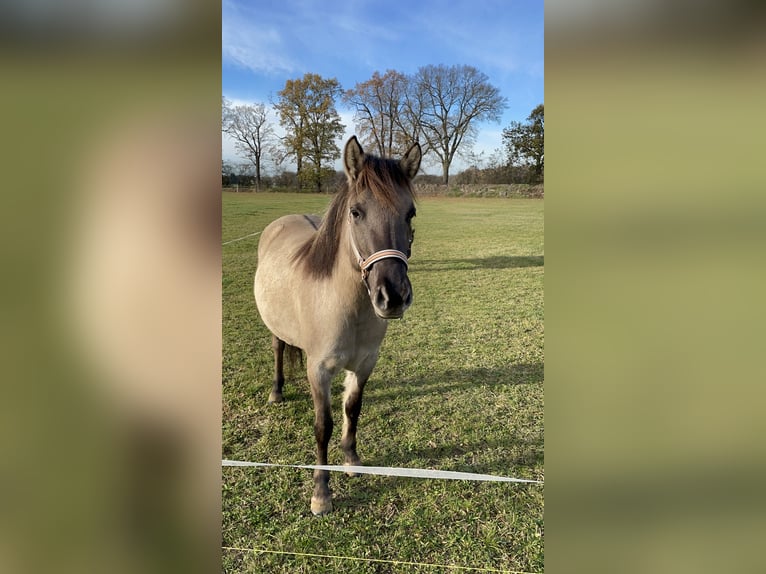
[(278, 345)]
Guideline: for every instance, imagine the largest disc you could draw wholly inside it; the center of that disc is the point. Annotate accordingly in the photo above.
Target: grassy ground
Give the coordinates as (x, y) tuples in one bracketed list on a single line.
[(459, 386)]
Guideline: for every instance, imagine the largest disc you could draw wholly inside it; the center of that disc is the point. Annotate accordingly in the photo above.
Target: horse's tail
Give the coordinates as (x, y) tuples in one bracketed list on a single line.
[(294, 356)]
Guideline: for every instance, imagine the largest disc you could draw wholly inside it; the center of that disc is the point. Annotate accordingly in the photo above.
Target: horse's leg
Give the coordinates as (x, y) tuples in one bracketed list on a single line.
[(278, 345), (352, 406), (319, 378)]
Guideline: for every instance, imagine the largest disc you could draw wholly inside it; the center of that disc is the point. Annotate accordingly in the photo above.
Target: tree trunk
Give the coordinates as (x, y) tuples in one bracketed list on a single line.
[(299, 170), (445, 172), (258, 173)]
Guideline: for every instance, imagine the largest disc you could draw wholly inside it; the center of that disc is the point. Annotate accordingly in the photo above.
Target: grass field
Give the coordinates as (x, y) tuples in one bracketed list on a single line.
[(459, 386)]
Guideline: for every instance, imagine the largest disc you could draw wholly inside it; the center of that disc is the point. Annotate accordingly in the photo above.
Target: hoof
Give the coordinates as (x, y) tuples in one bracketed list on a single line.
[(320, 507), (275, 398), (351, 473)]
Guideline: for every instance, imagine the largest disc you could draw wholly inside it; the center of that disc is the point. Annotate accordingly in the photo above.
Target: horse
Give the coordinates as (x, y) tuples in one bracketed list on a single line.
[(329, 286)]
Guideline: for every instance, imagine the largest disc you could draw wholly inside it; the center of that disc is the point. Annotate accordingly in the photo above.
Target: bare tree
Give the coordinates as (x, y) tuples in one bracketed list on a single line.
[(379, 105), (448, 102), (249, 127), (410, 121)]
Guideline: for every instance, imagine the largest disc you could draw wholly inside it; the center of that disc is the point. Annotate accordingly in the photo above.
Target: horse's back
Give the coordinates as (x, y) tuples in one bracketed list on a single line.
[(284, 236)]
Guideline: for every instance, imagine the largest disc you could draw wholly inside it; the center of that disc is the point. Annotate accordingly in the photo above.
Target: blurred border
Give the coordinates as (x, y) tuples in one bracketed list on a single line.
[(110, 407), (111, 344), (655, 214)]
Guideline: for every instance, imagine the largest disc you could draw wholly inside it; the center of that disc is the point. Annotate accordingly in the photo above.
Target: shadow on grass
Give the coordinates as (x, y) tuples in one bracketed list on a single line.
[(523, 458), (509, 455), (455, 380), (495, 262), (457, 456), (296, 387)]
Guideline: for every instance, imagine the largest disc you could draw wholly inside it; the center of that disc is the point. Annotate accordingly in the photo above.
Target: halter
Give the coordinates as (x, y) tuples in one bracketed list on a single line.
[(365, 264)]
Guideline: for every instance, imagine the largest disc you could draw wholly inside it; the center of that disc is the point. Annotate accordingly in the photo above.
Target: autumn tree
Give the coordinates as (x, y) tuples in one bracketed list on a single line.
[(448, 102), (249, 127), (380, 115), (525, 142), (306, 108)]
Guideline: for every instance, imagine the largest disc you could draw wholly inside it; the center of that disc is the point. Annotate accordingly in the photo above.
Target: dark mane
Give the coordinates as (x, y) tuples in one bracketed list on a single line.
[(383, 178), (318, 253)]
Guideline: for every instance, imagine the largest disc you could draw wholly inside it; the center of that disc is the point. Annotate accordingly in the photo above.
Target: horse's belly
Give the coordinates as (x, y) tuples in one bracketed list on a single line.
[(274, 306)]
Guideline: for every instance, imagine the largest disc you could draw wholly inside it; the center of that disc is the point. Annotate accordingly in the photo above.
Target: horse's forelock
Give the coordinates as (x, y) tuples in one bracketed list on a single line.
[(384, 179)]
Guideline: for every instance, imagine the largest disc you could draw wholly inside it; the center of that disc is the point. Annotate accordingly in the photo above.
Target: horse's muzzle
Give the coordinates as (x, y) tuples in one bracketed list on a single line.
[(391, 297)]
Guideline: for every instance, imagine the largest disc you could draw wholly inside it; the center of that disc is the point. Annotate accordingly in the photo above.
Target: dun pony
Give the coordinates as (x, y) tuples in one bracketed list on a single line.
[(330, 286)]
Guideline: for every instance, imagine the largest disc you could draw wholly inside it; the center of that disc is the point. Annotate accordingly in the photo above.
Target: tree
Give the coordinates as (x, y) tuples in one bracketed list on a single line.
[(525, 142), (379, 104), (249, 127), (227, 171), (447, 103), (306, 109)]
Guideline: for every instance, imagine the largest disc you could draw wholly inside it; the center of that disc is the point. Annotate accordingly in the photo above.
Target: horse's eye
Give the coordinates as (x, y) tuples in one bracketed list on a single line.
[(355, 213)]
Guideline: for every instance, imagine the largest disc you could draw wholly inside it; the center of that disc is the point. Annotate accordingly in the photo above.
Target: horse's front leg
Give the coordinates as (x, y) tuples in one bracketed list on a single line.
[(352, 406), (319, 378)]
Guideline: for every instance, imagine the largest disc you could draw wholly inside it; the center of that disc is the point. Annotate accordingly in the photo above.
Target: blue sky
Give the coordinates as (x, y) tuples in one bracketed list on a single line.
[(266, 43)]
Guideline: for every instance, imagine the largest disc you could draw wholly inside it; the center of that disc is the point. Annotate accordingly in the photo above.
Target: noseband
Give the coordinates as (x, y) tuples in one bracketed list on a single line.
[(366, 264)]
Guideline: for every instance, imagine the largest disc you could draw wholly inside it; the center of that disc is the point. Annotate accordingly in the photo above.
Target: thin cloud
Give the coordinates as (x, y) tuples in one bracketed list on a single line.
[(253, 46)]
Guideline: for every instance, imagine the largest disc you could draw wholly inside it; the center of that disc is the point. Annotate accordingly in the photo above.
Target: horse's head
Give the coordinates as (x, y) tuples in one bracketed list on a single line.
[(380, 209)]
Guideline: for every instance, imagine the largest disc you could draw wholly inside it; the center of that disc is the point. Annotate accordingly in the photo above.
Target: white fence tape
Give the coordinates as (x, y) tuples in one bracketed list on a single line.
[(240, 238), (389, 471)]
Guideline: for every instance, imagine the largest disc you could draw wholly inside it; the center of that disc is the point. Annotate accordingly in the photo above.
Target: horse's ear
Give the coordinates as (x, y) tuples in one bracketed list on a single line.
[(353, 158), (411, 161)]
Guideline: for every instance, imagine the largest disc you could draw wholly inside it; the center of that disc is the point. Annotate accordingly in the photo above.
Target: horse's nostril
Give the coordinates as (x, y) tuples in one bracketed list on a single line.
[(408, 296), (382, 298), (387, 298)]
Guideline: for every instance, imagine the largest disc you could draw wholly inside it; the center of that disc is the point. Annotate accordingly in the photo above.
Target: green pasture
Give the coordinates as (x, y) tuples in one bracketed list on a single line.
[(459, 386)]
